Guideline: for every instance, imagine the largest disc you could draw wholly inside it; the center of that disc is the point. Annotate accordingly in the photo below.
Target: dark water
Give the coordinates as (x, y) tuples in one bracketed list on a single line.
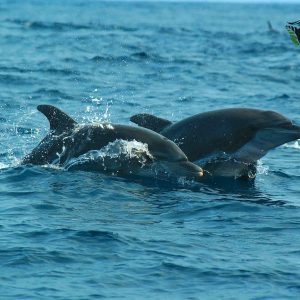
[(79, 235)]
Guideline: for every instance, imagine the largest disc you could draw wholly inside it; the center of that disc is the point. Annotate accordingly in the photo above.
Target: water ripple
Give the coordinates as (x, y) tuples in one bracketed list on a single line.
[(83, 235)]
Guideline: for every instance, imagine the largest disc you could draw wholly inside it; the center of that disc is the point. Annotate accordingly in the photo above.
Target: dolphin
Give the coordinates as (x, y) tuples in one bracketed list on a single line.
[(67, 140), (226, 142)]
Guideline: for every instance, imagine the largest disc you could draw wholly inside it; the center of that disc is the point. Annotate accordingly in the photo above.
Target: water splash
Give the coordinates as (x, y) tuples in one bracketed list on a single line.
[(98, 109), (117, 156), (294, 145), (261, 168)]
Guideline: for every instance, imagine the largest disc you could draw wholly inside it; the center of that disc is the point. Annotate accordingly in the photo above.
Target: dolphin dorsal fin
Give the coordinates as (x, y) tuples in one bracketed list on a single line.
[(151, 122), (59, 121)]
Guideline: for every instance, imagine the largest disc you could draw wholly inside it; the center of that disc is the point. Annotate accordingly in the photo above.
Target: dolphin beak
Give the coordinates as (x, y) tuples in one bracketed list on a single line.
[(185, 169), (192, 170)]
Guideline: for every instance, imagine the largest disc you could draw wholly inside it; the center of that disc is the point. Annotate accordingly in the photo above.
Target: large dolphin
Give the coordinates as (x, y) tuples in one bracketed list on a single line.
[(68, 140), (244, 135)]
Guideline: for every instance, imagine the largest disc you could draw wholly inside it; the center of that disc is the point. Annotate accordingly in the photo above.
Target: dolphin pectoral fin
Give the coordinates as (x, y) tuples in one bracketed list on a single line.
[(59, 121), (151, 122), (265, 140)]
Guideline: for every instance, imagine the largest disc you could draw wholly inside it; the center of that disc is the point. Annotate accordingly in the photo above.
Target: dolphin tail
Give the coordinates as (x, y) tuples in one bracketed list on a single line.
[(265, 140), (59, 121), (151, 122)]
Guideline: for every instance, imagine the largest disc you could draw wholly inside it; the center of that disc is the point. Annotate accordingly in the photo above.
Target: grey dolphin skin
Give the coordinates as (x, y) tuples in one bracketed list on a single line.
[(244, 134), (68, 140)]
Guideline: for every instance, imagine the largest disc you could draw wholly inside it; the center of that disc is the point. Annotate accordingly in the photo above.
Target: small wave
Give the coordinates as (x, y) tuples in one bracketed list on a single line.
[(19, 70), (141, 55), (46, 206), (133, 57), (279, 97), (114, 27), (229, 35), (12, 79), (3, 166), (30, 256), (82, 236), (294, 145), (96, 236), (168, 30), (39, 25), (17, 130), (179, 268), (14, 69), (17, 173), (281, 174), (63, 26), (58, 71), (147, 56), (52, 93), (259, 48), (117, 59), (272, 78)]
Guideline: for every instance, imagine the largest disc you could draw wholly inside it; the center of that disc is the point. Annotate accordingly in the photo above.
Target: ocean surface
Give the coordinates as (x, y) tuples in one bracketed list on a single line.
[(80, 235)]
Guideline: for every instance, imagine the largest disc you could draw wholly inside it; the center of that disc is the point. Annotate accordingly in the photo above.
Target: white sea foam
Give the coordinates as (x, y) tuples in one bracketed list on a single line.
[(109, 126), (261, 168), (119, 149), (294, 145), (4, 166)]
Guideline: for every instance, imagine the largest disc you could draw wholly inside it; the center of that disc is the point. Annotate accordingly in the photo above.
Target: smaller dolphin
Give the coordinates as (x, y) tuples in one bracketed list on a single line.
[(68, 140), (244, 135)]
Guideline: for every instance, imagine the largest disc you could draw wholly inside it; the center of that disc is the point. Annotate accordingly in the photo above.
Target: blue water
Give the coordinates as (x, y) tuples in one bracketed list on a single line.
[(80, 235)]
